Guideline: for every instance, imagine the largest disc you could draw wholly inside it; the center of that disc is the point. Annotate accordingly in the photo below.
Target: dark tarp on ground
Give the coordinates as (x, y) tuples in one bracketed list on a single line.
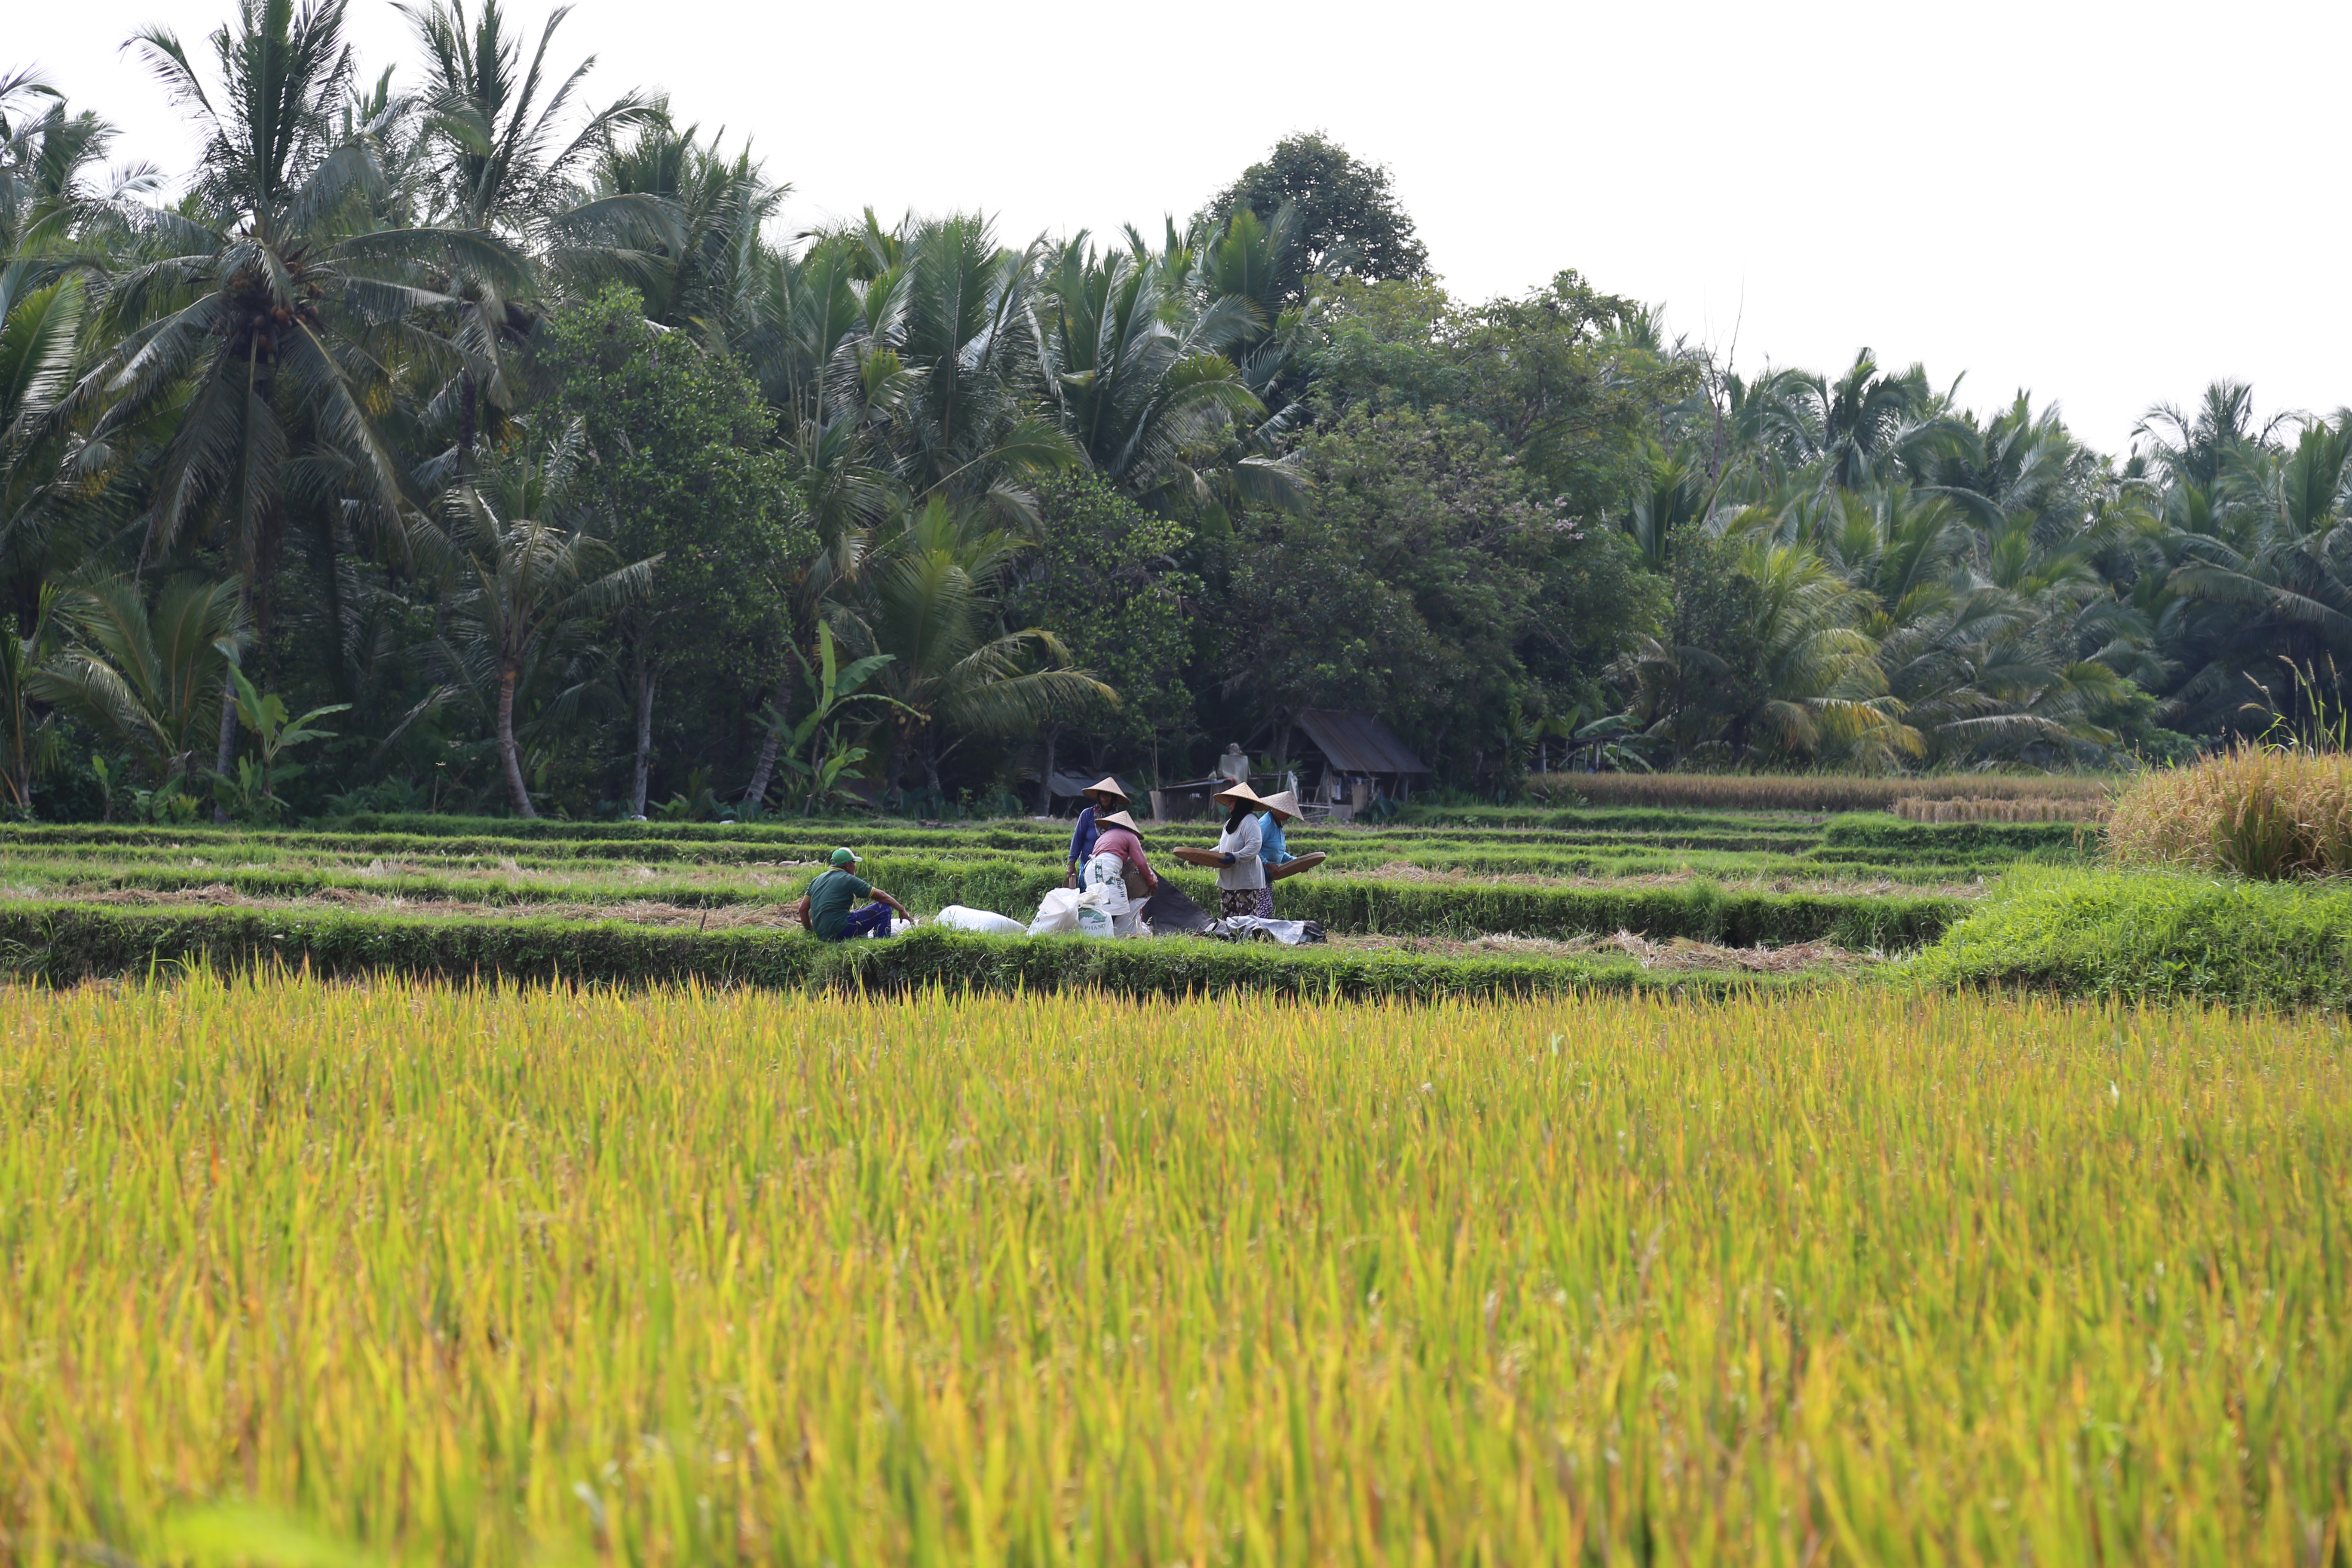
[(1170, 913), (1358, 743)]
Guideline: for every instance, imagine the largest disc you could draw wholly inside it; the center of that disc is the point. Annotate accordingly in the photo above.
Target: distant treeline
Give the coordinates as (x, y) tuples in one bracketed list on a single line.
[(453, 441)]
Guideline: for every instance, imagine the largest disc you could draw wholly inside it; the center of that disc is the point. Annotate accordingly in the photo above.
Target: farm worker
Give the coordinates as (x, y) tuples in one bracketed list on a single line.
[(1240, 873), (1118, 868), (1082, 837), (835, 889), (1279, 809)]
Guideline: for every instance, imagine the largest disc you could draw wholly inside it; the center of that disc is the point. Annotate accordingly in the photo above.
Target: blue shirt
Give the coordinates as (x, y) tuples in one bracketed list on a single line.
[(1083, 836), (1275, 853)]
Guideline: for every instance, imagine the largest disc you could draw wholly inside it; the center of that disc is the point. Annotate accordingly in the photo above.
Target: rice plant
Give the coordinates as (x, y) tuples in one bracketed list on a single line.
[(2262, 811), (417, 1273)]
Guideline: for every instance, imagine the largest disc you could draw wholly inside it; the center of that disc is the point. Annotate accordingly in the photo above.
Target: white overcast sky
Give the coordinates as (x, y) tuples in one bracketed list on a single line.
[(2108, 204)]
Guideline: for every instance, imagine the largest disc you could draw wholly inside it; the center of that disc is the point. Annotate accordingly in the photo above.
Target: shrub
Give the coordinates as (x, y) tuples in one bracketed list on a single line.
[(2154, 935), (2265, 812)]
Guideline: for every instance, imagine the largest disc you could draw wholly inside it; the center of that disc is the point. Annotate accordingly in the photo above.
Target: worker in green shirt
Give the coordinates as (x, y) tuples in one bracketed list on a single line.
[(835, 889)]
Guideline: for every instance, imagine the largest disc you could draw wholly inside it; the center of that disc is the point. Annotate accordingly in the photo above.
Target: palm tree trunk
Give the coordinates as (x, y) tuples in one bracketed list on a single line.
[(644, 737), (756, 791), (509, 760), (227, 752)]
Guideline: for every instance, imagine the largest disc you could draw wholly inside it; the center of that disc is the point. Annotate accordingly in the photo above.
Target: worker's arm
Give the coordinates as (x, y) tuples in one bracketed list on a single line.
[(894, 903)]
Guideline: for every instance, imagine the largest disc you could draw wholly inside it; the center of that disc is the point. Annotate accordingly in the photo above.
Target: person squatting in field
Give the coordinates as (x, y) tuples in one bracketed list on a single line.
[(835, 889), (1241, 865), (1120, 869)]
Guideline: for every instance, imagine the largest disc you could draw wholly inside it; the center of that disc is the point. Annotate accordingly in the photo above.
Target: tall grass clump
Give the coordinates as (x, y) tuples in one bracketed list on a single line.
[(408, 1273), (2270, 812)]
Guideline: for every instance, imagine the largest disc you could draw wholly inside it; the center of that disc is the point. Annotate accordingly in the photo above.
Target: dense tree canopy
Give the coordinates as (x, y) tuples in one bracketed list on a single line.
[(509, 423), (1345, 216)]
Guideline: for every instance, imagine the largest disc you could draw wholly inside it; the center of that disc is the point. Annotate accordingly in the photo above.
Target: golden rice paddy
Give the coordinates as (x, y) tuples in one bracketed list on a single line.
[(406, 1273)]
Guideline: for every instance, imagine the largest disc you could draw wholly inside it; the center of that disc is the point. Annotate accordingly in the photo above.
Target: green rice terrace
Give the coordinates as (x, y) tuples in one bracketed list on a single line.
[(1977, 890), (1478, 899)]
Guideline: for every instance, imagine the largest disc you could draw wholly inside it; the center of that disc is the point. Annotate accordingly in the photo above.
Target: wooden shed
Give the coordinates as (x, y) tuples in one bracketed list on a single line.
[(1347, 760)]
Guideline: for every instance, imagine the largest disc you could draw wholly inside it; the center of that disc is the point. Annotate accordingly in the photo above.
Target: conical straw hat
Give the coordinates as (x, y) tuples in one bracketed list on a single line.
[(1120, 819), (1238, 791), (1285, 806), (1108, 785)]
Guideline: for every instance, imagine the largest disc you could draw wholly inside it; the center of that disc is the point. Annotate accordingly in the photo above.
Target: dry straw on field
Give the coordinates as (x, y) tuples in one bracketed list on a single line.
[(1762, 792), (1914, 808), (658, 1278), (2266, 811)]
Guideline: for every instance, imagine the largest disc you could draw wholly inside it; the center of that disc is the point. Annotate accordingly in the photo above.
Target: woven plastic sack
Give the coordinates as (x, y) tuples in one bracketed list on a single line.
[(1057, 913), (957, 916)]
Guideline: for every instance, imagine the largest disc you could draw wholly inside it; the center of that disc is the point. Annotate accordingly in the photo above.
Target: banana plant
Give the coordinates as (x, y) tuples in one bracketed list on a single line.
[(254, 793), (835, 687), (1612, 743)]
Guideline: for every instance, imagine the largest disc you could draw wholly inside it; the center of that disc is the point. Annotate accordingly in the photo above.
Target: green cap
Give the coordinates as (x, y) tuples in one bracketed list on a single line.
[(844, 857)]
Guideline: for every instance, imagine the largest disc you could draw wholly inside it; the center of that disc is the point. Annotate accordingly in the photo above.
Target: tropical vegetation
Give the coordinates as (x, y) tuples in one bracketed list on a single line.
[(511, 423)]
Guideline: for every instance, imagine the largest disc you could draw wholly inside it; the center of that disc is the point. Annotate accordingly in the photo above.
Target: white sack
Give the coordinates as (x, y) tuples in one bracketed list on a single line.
[(956, 917), (1057, 913)]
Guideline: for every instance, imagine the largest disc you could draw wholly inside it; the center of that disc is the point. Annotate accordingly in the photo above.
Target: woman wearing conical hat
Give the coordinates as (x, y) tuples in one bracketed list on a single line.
[(1272, 851), (1240, 867), (1120, 869), (1105, 794)]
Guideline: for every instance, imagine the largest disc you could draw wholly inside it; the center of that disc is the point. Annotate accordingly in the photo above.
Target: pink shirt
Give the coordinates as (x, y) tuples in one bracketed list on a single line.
[(1124, 844)]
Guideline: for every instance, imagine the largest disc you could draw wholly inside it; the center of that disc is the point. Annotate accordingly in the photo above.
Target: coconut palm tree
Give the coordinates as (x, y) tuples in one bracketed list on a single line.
[(524, 577), (930, 602), (505, 163), (146, 677), (40, 329), (702, 274), (2264, 561), (969, 431), (273, 298), (1144, 399), (835, 392), (52, 201), (1825, 693)]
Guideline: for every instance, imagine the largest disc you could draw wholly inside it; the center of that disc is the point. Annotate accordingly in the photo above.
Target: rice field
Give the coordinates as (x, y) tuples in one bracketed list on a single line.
[(401, 1272), (1542, 875)]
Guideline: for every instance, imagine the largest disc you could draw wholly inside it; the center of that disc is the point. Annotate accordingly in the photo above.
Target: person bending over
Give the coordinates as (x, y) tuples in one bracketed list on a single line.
[(831, 897)]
